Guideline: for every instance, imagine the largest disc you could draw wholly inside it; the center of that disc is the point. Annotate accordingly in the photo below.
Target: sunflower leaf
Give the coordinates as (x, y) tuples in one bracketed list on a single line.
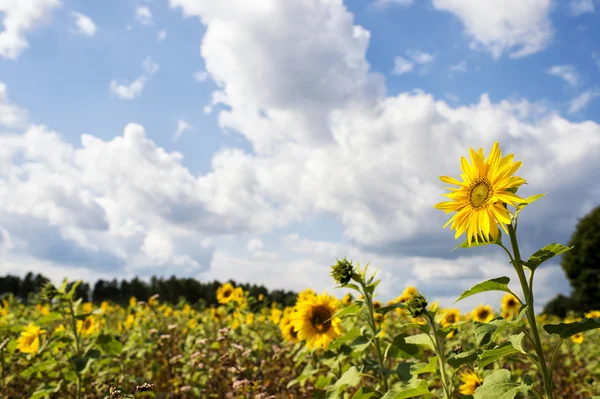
[(457, 360), (498, 385), (386, 309), (350, 378), (566, 330), (420, 339), (421, 368), (484, 332), (527, 201), (495, 284), (490, 356), (414, 388), (548, 252), (347, 311)]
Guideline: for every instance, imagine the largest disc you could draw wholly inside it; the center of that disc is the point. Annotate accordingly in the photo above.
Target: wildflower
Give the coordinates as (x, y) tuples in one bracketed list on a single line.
[(342, 271), (314, 323), (225, 293), (470, 383), (479, 201), (510, 306), (577, 338), (87, 326), (416, 306), (483, 313), (29, 340)]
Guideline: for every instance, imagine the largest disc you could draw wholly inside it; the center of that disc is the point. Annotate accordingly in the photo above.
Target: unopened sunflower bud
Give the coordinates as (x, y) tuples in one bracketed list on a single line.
[(342, 271), (416, 306)]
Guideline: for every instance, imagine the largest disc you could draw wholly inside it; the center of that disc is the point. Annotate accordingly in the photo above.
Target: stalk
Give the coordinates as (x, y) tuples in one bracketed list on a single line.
[(528, 292), (439, 348)]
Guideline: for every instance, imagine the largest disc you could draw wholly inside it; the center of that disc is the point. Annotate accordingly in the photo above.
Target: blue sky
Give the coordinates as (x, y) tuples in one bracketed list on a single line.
[(261, 141)]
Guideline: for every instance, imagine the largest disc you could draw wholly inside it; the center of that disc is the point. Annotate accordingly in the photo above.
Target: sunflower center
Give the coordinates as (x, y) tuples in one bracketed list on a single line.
[(483, 314), (479, 192), (293, 332), (511, 303), (451, 318), (320, 319), (28, 341), (227, 293)]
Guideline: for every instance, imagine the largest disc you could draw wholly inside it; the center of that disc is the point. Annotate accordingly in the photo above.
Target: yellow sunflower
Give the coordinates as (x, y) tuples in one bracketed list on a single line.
[(287, 330), (275, 315), (87, 326), (225, 294), (593, 314), (451, 317), (307, 293), (470, 382), (347, 299), (29, 340), (510, 306), (313, 320), (483, 313), (577, 338), (479, 201)]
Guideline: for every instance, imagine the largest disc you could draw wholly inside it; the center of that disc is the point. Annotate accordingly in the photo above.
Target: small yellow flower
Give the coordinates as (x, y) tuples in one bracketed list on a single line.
[(577, 338), (132, 302), (470, 383), (481, 196), (192, 324), (59, 328), (347, 299), (130, 321), (593, 314), (249, 318), (153, 300), (186, 309), (29, 340), (261, 297), (275, 315), (87, 326), (44, 310), (87, 307), (225, 294), (168, 311), (483, 313), (105, 306)]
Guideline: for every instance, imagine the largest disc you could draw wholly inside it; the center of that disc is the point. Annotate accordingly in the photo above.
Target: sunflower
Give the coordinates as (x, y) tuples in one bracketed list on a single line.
[(87, 307), (217, 314), (225, 294), (314, 323), (29, 340), (87, 326), (593, 314), (451, 317), (303, 295), (483, 313), (470, 383), (510, 306), (240, 297), (577, 338), (275, 315), (480, 200), (347, 299), (287, 330)]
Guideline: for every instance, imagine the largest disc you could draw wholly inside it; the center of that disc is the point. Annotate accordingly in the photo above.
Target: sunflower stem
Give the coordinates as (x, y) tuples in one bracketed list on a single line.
[(439, 348), (528, 292)]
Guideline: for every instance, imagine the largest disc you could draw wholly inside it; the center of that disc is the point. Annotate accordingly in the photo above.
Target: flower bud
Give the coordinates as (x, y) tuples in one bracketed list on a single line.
[(416, 306), (342, 271)]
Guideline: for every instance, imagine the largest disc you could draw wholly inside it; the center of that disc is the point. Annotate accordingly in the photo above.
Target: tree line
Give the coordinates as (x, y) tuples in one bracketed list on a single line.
[(170, 290)]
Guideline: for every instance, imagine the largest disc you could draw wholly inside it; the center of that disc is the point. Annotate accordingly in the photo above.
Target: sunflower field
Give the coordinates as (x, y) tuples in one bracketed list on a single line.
[(345, 344)]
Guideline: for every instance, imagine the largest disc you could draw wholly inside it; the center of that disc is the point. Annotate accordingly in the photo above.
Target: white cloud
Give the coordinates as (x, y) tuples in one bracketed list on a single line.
[(143, 15), (11, 116), (459, 67), (452, 97), (85, 25), (402, 66), (21, 17), (579, 7), (518, 27), (581, 101), (385, 3), (162, 35), (420, 57), (130, 91), (181, 127), (201, 76), (568, 73)]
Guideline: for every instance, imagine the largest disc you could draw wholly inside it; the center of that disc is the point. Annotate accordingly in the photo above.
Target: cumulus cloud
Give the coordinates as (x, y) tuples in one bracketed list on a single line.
[(520, 28), (201, 76), (568, 73), (21, 17), (143, 15), (581, 101), (578, 7), (11, 116), (130, 91), (85, 25), (161, 36), (386, 3), (420, 57), (402, 66), (459, 67)]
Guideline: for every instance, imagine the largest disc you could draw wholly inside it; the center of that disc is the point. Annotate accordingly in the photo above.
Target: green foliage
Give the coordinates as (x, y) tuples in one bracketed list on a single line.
[(495, 284), (566, 330), (499, 385)]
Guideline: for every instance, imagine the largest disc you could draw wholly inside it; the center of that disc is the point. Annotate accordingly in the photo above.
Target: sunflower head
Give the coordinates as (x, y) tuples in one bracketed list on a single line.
[(306, 294), (416, 306), (225, 293), (451, 317), (347, 299), (470, 382), (483, 313), (314, 320), (342, 271), (577, 338), (510, 306), (479, 201), (29, 340), (86, 326)]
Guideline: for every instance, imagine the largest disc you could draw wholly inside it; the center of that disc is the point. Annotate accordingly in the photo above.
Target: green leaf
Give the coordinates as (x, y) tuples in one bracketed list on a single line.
[(490, 356), (360, 343), (364, 393), (38, 367), (420, 339), (566, 330), (347, 311), (526, 202), (49, 318), (516, 341), (499, 386), (484, 332), (515, 323), (81, 364), (109, 344), (479, 243), (44, 393), (386, 309), (548, 252), (350, 378), (462, 358), (415, 388), (355, 332), (495, 284), (399, 348), (421, 368)]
